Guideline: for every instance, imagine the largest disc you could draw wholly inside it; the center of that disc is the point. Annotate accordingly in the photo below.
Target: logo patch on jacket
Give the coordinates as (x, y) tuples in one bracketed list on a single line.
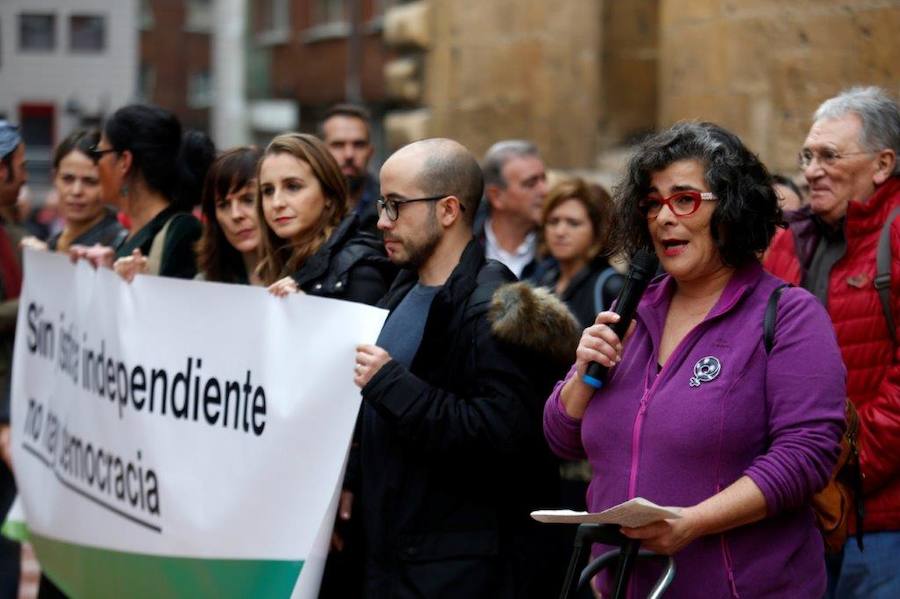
[(859, 281), (705, 370)]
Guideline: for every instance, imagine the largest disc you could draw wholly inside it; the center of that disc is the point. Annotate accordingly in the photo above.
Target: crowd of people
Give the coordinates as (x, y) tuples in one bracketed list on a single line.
[(500, 287)]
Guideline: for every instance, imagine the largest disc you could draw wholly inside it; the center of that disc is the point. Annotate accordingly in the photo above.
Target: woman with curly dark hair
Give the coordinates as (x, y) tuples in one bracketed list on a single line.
[(229, 249), (696, 411)]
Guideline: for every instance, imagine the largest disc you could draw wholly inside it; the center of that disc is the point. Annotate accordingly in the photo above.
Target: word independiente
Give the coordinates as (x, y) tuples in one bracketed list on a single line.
[(183, 396)]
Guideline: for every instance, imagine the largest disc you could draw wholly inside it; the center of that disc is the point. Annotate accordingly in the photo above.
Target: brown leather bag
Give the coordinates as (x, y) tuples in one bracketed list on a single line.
[(841, 500)]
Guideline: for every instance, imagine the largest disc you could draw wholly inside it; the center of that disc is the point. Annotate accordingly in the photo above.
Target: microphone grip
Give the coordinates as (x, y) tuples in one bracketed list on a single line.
[(596, 373), (642, 270)]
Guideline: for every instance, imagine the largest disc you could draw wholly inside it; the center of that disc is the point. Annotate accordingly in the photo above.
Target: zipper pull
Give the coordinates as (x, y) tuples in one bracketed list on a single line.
[(643, 405)]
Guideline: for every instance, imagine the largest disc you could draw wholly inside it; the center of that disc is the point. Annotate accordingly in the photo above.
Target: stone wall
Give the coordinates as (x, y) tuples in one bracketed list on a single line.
[(507, 68), (761, 67), (628, 73)]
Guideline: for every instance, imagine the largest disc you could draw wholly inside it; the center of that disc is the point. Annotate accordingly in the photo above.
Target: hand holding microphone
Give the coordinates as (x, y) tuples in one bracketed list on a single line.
[(643, 268), (601, 343)]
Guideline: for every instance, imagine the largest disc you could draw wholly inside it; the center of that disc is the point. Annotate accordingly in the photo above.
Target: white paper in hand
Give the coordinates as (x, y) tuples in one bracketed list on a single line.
[(633, 513)]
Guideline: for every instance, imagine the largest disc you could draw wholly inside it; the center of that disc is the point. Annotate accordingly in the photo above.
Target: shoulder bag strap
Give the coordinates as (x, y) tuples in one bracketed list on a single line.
[(600, 303), (883, 273), (154, 259), (771, 315)]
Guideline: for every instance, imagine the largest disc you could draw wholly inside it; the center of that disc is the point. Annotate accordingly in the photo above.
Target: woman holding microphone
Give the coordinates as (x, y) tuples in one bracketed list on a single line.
[(695, 412)]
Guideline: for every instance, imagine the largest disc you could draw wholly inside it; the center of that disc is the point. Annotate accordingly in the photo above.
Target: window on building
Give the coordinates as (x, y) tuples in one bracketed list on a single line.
[(273, 15), (37, 32), (145, 16), (87, 33), (146, 82), (199, 15), (37, 124), (200, 90), (329, 11)]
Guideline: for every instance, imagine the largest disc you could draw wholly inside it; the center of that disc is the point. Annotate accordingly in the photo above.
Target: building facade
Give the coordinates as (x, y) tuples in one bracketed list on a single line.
[(174, 63), (64, 64)]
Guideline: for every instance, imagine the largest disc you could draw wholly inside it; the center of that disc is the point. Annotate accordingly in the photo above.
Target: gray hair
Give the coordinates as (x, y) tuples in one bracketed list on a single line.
[(499, 154), (879, 114)]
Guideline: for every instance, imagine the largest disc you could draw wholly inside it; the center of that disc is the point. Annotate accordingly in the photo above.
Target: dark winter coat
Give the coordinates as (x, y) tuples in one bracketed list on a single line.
[(453, 457), (178, 259), (108, 232), (579, 293), (351, 265)]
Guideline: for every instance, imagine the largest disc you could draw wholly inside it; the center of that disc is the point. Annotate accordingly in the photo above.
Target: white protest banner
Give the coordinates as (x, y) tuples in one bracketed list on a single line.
[(177, 438)]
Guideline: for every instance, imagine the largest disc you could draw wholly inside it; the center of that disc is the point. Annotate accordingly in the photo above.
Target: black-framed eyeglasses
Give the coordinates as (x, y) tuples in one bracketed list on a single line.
[(96, 153), (682, 203), (825, 157), (391, 206)]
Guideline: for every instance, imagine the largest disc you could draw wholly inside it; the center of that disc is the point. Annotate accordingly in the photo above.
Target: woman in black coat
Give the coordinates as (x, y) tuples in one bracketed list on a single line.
[(310, 245), (308, 242), (576, 220), (153, 171), (576, 223), (229, 249)]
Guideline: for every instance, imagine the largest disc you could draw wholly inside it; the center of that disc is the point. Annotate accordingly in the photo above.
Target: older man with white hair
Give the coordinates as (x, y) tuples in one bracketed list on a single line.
[(845, 248)]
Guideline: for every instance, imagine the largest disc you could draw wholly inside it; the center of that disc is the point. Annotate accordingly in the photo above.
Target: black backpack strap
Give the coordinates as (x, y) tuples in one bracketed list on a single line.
[(601, 300), (883, 272), (771, 315)]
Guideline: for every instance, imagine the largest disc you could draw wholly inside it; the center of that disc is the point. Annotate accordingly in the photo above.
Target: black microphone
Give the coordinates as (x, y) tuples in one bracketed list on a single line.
[(643, 268)]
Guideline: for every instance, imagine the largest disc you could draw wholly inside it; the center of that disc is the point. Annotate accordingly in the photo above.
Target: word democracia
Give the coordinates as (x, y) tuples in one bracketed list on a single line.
[(182, 395), (98, 469)]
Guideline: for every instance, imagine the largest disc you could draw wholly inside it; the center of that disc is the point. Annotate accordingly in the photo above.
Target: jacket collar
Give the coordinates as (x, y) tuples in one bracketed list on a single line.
[(316, 265), (653, 308), (869, 215)]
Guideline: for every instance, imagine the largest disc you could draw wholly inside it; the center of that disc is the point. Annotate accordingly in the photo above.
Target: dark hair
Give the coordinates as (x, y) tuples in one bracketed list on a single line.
[(347, 110), (169, 163), (282, 257), (233, 170), (80, 140), (450, 168), (787, 182), (7, 162), (747, 211), (596, 201)]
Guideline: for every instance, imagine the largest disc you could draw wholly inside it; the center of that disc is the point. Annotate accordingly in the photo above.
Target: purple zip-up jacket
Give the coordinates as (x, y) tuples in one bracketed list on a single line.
[(777, 418)]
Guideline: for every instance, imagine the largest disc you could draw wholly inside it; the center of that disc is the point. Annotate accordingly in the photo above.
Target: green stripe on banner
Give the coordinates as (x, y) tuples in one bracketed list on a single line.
[(83, 572), (15, 530)]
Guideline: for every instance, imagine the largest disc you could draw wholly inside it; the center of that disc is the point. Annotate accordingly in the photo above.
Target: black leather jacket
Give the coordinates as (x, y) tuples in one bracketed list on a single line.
[(351, 265)]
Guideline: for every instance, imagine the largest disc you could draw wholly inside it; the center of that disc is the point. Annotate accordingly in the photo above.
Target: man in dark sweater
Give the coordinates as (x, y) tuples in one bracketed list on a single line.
[(452, 454)]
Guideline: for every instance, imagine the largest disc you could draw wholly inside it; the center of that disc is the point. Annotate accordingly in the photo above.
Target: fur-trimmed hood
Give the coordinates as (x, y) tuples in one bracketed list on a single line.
[(535, 319)]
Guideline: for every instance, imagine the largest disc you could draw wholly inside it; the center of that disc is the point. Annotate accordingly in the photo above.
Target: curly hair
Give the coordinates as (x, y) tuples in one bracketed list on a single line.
[(230, 172), (283, 257), (747, 212)]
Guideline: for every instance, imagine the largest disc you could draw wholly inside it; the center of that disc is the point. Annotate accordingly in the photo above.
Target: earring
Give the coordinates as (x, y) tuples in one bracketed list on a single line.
[(123, 191)]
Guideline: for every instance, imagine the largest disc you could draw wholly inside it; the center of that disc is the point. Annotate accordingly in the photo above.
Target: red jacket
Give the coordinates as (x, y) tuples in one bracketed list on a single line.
[(871, 357)]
